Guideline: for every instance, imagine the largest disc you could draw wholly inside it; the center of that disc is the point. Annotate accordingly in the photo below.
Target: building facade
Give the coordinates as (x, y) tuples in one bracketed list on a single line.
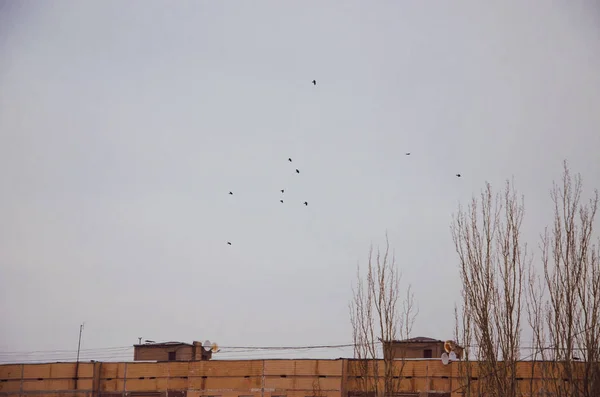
[(214, 378), (419, 347), (171, 351), (244, 378)]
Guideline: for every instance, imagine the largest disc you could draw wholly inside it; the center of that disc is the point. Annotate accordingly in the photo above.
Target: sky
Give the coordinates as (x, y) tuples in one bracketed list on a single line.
[(124, 125)]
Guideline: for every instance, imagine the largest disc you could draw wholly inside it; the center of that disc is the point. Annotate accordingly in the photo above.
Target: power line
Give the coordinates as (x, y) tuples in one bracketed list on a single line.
[(222, 347), (127, 352), (64, 351), (292, 347), (227, 350), (230, 356), (122, 352)]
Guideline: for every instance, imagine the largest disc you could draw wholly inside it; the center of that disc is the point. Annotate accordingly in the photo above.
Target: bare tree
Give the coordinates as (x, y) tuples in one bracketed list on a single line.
[(493, 259), (463, 333), (564, 302), (379, 316)]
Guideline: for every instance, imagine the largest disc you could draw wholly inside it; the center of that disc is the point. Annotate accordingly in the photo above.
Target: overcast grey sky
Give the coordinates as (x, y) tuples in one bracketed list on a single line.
[(124, 125)]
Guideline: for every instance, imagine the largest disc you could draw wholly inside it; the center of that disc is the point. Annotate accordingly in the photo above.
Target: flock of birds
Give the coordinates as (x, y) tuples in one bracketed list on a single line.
[(314, 82), (282, 190)]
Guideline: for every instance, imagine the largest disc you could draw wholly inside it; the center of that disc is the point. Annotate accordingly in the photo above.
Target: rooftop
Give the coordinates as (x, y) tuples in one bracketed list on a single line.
[(163, 344), (418, 339)]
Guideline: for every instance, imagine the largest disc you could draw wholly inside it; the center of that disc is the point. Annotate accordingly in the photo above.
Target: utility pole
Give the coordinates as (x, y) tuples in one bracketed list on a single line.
[(79, 343), (77, 363)]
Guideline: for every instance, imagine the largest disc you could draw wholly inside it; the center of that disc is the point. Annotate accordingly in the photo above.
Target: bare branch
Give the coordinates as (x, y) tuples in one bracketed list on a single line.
[(565, 309), (492, 261), (377, 316)]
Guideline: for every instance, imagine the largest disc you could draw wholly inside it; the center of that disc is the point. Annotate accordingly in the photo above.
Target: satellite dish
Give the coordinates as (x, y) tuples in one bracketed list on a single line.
[(452, 356), (214, 347), (445, 359), (206, 345)]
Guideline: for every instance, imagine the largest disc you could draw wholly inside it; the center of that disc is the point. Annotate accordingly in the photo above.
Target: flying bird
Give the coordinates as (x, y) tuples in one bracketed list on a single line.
[(306, 203), (281, 201), (282, 190), (229, 243), (290, 160), (314, 82), (408, 153), (458, 175), (231, 193), (297, 171)]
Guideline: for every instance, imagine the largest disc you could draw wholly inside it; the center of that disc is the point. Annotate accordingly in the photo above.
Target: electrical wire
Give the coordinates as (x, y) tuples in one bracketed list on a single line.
[(222, 347), (61, 351), (127, 352), (226, 352), (292, 347)]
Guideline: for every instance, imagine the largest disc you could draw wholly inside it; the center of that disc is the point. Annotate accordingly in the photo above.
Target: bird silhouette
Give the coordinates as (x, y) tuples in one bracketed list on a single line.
[(297, 171), (282, 190), (458, 175), (231, 193), (290, 160), (314, 82), (228, 243), (281, 201), (408, 153), (306, 203)]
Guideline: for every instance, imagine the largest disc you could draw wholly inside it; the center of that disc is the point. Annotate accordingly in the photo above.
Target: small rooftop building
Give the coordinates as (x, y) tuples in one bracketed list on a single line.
[(171, 351), (418, 347)]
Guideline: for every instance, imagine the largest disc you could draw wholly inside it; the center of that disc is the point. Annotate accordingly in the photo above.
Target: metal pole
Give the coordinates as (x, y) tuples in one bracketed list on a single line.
[(77, 363), (79, 343)]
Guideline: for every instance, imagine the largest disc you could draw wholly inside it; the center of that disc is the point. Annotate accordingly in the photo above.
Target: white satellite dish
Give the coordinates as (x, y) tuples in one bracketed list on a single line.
[(445, 358), (206, 345), (452, 356)]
